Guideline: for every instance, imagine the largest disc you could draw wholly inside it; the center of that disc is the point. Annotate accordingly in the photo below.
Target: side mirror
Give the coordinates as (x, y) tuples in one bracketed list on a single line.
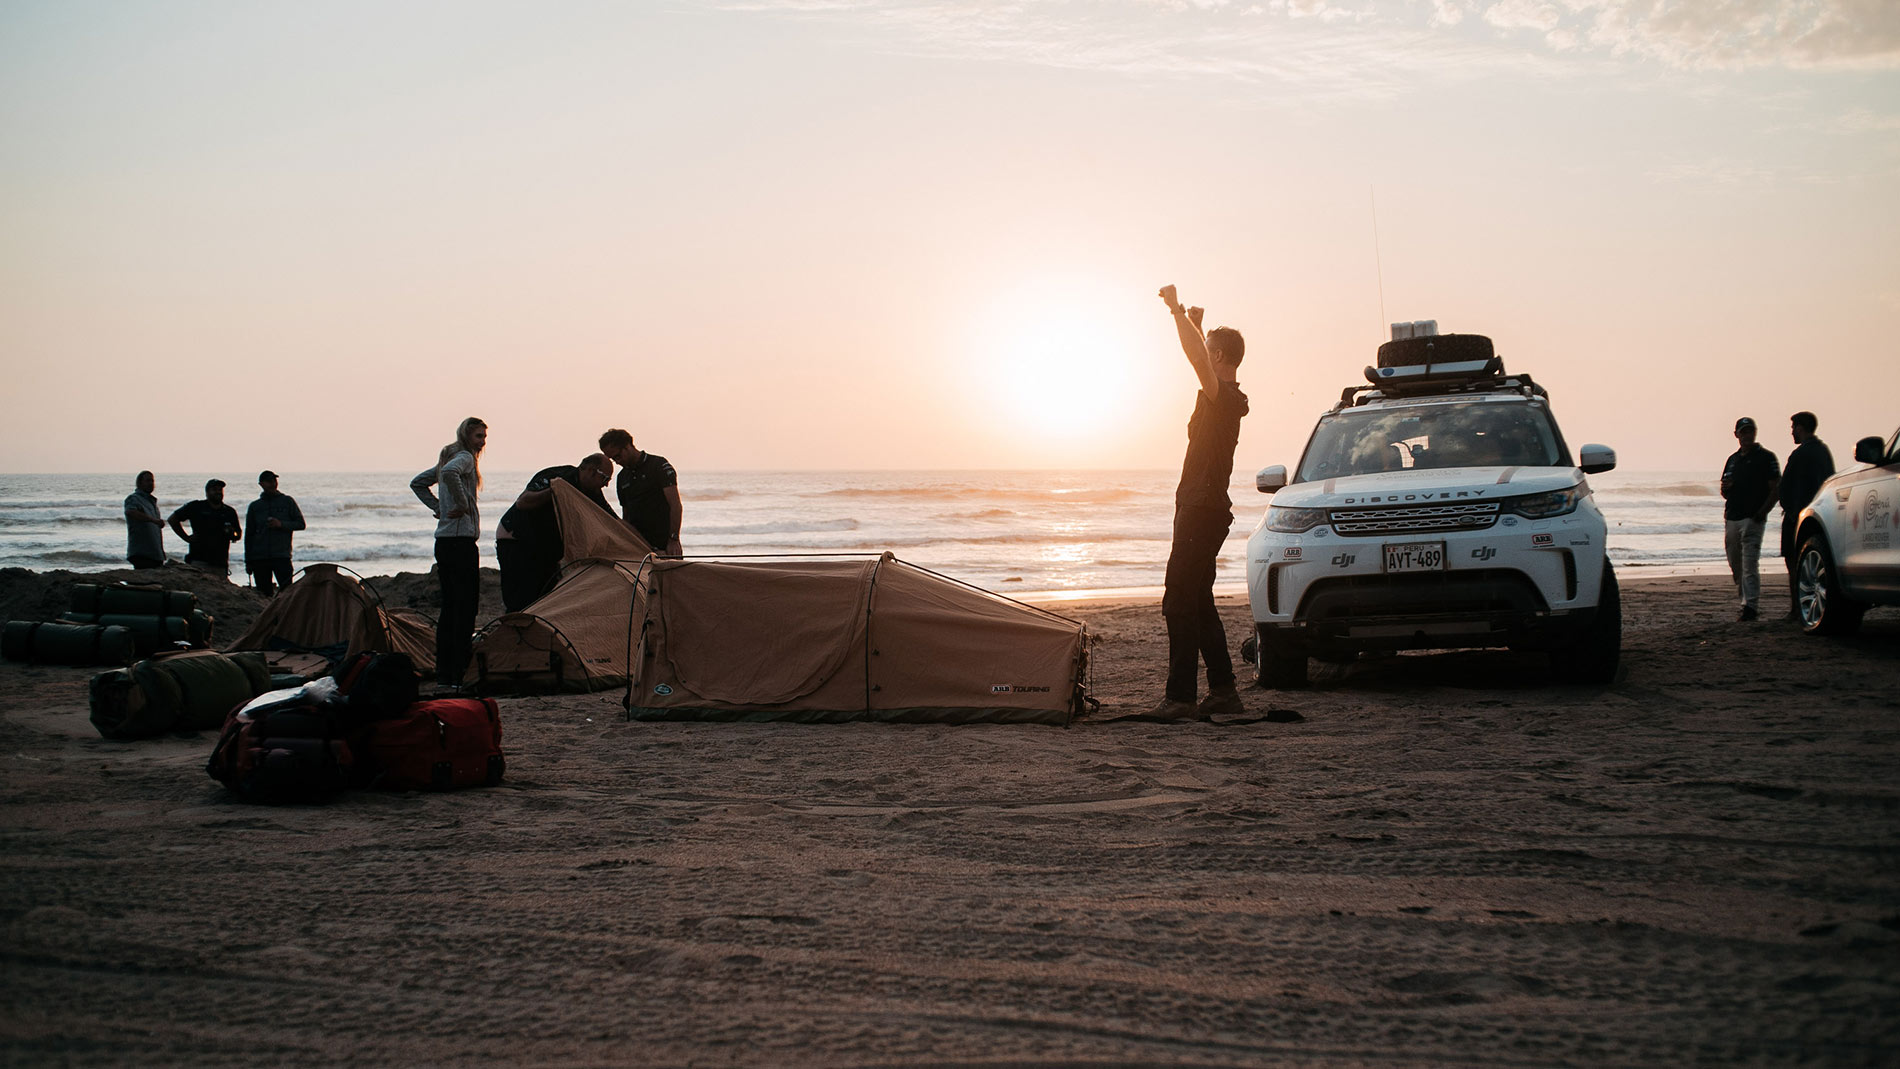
[(1269, 479), (1870, 450), (1594, 458)]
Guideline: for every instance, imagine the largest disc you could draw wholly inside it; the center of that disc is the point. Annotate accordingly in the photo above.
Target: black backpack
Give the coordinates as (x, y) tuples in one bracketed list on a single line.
[(378, 686)]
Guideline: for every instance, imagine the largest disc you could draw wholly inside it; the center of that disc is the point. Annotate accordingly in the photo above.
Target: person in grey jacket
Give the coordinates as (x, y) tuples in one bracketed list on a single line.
[(267, 527), (458, 530)]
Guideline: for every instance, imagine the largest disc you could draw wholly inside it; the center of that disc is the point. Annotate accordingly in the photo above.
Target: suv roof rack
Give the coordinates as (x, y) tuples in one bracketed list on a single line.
[(1463, 377)]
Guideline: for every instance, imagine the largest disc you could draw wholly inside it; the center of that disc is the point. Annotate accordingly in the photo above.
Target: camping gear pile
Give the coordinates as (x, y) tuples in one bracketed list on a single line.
[(365, 727), (159, 619), (110, 625), (192, 690), (337, 615)]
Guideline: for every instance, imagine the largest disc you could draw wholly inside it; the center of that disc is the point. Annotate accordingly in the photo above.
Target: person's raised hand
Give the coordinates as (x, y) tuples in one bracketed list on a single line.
[(1167, 295), (1194, 316)]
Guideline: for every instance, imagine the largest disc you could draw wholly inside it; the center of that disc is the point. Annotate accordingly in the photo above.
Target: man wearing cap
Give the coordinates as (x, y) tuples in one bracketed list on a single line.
[(1749, 481), (214, 526), (268, 524)]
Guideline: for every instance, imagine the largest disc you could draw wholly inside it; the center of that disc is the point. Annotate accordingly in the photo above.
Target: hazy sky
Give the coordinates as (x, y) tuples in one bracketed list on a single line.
[(859, 233)]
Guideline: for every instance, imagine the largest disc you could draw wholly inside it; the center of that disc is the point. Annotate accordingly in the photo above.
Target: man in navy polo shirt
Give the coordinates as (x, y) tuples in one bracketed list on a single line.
[(648, 489)]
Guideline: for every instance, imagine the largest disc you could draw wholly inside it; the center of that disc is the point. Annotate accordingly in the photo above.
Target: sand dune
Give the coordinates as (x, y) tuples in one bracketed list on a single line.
[(1447, 860)]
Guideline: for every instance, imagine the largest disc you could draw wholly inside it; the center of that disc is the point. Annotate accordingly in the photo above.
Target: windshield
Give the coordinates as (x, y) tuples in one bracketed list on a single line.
[(1473, 434)]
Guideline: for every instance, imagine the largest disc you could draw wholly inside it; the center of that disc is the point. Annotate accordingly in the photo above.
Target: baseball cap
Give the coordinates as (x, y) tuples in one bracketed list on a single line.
[(214, 484), (262, 475), (1745, 423)]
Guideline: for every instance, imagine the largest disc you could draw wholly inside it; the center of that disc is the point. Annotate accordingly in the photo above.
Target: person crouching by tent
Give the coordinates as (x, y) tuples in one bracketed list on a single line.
[(457, 557), (528, 540), (267, 527)]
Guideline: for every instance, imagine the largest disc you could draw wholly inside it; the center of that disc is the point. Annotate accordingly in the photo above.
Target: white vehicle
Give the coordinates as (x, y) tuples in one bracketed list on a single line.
[(1435, 508), (1849, 539)]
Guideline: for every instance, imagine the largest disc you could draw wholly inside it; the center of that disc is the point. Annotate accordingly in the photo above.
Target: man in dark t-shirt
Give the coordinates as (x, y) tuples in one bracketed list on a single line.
[(528, 538), (1202, 514), (648, 489), (1808, 467), (214, 526), (1749, 479)]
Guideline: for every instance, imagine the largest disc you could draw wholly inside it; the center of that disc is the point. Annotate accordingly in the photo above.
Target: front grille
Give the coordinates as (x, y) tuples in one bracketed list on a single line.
[(1415, 519)]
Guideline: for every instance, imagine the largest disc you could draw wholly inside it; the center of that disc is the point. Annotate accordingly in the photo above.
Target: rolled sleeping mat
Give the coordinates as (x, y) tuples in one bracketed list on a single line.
[(132, 600), (154, 634), (44, 643)]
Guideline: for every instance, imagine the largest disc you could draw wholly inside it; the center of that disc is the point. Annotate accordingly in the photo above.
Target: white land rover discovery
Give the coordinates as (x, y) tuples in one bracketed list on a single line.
[(1435, 508)]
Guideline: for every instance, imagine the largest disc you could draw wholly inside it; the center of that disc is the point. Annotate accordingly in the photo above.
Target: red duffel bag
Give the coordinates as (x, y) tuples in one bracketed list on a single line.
[(436, 745)]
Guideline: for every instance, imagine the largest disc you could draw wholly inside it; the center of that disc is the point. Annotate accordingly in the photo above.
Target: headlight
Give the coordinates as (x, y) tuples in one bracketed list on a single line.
[(1555, 503), (1293, 521)]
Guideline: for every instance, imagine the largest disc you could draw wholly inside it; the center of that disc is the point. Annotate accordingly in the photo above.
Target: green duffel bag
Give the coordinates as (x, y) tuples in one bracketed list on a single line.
[(188, 691), (120, 711), (88, 598), (43, 643)]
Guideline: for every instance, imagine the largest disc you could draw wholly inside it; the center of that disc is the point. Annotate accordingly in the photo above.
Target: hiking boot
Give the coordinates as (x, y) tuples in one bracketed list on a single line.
[(1748, 613), (1221, 701), (1169, 709)]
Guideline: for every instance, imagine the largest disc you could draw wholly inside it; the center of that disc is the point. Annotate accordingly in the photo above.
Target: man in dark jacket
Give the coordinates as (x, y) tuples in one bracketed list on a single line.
[(214, 526), (268, 524), (528, 540), (1808, 467), (1202, 514)]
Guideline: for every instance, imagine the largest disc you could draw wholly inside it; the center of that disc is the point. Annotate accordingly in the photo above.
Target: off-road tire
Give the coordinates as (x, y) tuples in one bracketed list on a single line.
[(1594, 657), (1824, 609), (1279, 665)]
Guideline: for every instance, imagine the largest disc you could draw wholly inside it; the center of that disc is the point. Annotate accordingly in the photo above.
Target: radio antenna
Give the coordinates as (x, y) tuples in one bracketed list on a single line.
[(1378, 262)]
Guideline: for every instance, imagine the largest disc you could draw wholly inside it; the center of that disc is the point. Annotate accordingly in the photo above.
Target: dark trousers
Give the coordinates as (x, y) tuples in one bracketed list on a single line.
[(263, 570), (457, 569), (1195, 633), (142, 563), (1791, 556), (525, 571)]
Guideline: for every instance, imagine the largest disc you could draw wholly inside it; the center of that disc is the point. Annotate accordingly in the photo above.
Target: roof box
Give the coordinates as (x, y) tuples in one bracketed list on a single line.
[(1435, 349)]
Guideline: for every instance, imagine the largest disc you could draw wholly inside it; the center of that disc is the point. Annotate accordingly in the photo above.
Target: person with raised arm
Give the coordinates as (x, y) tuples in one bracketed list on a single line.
[(1202, 515)]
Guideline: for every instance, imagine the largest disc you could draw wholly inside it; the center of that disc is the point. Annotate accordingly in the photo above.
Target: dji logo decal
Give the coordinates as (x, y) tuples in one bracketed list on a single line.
[(1483, 553)]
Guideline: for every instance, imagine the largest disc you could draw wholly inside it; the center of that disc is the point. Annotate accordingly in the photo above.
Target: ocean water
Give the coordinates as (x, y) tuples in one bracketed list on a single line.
[(1008, 531)]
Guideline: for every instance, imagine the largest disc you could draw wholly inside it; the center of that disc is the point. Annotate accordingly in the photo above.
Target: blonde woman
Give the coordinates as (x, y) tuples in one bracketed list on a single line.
[(458, 529)]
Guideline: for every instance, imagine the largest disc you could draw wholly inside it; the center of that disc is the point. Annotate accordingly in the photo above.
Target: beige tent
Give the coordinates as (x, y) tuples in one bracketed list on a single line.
[(588, 531), (833, 640), (573, 638), (325, 607)]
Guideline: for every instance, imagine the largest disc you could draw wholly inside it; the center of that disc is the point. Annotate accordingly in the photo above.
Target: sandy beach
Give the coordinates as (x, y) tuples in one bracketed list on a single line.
[(1440, 859)]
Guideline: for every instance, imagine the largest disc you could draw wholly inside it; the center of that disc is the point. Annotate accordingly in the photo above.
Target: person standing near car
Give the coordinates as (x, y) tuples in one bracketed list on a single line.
[(1749, 480), (1202, 515), (1809, 465)]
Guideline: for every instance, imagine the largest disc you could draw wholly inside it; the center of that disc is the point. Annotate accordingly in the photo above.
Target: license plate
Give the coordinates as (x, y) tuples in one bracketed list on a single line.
[(1415, 557)]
